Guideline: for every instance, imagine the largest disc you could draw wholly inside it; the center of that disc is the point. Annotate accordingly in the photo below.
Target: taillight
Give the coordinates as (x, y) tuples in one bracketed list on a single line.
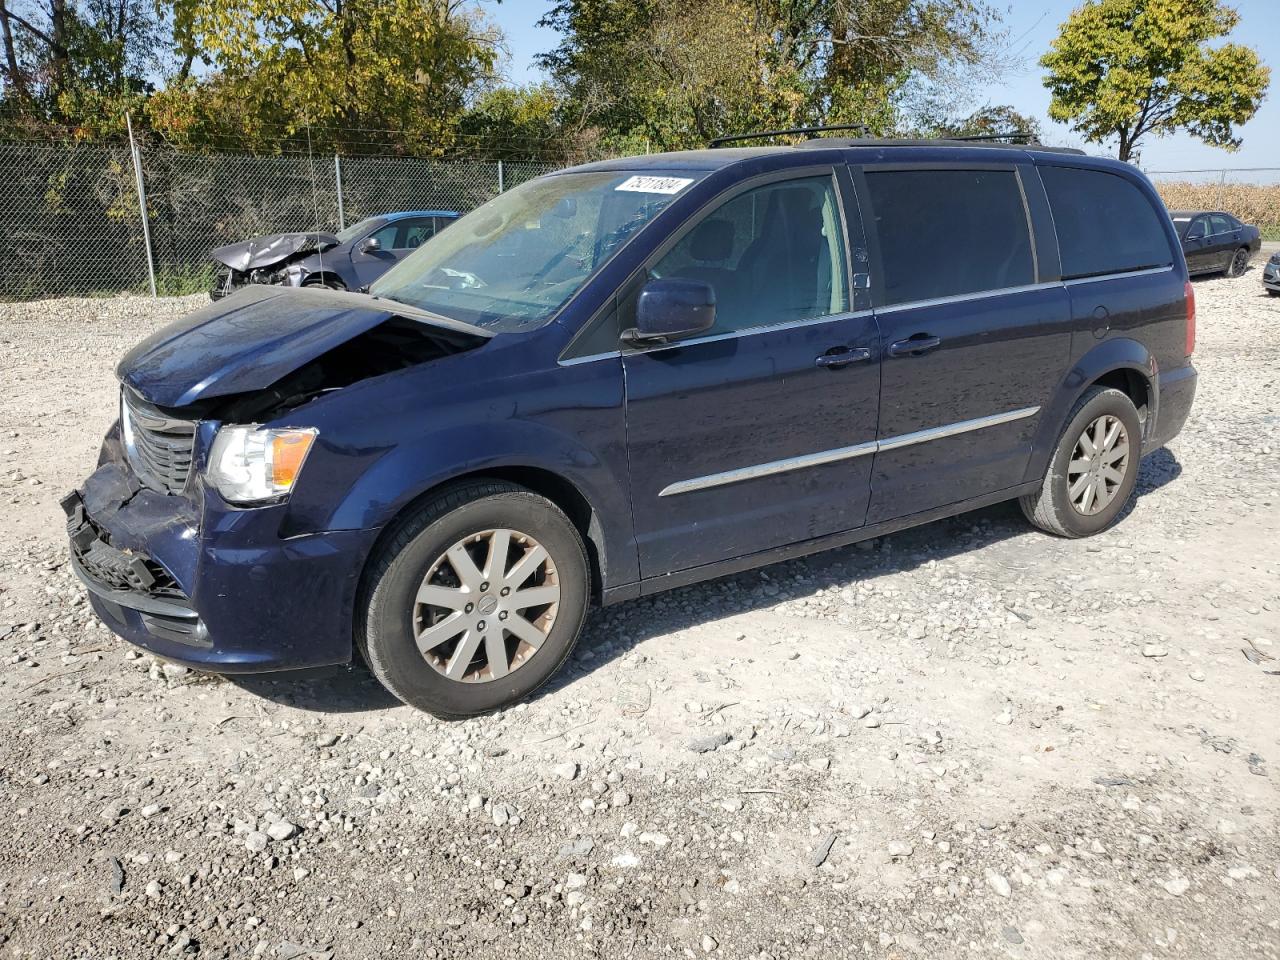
[(1191, 318)]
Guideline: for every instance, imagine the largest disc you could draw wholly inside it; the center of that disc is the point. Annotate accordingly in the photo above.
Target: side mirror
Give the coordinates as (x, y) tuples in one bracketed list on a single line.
[(371, 245), (671, 308)]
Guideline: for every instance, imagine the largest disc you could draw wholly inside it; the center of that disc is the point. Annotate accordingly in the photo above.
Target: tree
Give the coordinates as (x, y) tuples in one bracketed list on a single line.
[(937, 121), (677, 73), (518, 123), (78, 63), (1126, 69), (339, 74)]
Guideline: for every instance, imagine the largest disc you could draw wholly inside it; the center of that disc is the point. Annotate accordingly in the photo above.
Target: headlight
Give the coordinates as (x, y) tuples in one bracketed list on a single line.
[(254, 464)]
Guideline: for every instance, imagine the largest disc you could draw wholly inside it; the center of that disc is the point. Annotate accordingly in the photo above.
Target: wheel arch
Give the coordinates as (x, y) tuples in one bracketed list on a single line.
[(1121, 363), (316, 277), (558, 489)]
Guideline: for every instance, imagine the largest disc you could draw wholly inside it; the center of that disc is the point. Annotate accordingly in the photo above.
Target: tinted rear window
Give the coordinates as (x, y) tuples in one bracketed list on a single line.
[(949, 232), (1105, 224)]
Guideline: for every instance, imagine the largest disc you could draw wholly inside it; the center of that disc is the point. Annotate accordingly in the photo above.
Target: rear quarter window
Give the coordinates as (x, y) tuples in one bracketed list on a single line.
[(1105, 224)]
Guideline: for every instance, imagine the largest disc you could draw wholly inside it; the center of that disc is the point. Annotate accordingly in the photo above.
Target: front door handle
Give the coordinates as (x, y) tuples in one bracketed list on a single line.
[(914, 346), (843, 356)]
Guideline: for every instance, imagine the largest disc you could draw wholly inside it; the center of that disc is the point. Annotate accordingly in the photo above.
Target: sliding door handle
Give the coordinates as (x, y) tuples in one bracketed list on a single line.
[(914, 346)]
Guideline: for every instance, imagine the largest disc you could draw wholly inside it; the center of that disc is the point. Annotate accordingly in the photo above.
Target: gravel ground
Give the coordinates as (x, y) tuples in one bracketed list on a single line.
[(971, 739)]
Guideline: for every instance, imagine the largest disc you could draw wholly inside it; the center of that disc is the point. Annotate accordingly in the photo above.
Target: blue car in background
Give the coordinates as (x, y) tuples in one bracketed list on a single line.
[(347, 260)]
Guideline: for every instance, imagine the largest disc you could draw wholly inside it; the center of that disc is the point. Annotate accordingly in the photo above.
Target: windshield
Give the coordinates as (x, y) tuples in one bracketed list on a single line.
[(356, 229), (512, 263)]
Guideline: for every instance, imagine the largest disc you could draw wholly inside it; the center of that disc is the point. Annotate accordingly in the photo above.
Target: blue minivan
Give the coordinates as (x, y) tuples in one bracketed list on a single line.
[(628, 376)]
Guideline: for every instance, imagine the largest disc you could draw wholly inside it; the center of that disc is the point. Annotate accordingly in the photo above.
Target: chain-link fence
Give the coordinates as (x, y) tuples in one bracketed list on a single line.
[(71, 221), (1249, 194)]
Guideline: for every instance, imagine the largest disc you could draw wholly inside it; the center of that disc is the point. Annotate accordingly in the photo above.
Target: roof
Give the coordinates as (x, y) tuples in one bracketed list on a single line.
[(1191, 213), (401, 214), (851, 150)]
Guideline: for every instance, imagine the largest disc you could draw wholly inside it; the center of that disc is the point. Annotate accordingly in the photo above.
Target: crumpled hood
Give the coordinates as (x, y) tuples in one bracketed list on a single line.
[(271, 249), (253, 338)]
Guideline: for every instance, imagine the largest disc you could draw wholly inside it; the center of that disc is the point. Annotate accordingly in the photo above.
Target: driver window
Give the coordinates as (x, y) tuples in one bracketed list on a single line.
[(773, 254), (386, 236)]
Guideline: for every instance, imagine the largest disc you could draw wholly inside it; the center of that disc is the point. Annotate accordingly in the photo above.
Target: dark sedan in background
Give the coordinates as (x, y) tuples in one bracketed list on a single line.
[(347, 260), (1213, 241)]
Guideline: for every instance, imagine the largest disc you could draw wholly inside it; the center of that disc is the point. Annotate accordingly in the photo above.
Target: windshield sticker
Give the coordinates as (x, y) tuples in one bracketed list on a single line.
[(654, 184)]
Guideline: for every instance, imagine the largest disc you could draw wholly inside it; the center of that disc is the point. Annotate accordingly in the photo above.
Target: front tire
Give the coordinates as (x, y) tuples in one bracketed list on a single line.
[(1094, 468), (329, 283), (475, 600)]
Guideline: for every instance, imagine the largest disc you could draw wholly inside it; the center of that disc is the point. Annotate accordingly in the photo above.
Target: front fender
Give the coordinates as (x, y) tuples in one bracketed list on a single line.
[(1119, 353), (385, 442), (405, 473)]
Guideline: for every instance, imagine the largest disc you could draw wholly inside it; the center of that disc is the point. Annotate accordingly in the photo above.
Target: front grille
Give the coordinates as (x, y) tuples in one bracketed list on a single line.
[(120, 570), (159, 445)]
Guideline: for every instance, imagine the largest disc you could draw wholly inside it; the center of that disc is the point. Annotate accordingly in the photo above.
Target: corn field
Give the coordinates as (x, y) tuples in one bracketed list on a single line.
[(1250, 195)]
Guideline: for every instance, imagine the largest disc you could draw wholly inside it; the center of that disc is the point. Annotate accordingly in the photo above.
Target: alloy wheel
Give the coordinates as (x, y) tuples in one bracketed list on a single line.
[(1098, 465), (486, 606), (1239, 263)]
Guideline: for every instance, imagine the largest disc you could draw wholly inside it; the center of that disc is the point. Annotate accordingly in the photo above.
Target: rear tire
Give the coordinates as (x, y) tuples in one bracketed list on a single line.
[(1092, 474), (419, 579), (1239, 263)]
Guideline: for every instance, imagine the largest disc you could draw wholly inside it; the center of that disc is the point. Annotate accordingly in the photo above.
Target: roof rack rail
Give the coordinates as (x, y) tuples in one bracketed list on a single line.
[(789, 131), (1013, 136), (983, 141)]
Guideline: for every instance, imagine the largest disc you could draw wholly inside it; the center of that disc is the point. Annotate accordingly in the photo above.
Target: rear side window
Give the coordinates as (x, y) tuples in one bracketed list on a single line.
[(949, 232), (1105, 223)]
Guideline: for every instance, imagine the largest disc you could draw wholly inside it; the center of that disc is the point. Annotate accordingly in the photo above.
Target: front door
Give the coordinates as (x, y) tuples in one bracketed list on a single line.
[(1198, 245), (973, 345), (372, 261), (759, 433)]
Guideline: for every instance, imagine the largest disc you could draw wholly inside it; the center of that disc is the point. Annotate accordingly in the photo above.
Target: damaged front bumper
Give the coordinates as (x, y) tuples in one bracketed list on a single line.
[(199, 582), (227, 281)]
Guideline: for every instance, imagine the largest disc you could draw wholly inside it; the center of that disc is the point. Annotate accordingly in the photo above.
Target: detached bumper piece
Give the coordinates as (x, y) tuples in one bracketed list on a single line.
[(121, 581)]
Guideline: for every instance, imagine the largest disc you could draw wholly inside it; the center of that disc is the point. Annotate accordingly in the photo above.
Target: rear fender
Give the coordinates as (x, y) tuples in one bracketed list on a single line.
[(1120, 353)]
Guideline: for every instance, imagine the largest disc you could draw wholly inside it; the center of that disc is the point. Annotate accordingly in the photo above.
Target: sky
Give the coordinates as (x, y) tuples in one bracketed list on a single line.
[(1031, 27)]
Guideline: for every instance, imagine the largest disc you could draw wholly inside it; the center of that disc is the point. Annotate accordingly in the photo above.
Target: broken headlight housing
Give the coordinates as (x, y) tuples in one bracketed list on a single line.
[(252, 465)]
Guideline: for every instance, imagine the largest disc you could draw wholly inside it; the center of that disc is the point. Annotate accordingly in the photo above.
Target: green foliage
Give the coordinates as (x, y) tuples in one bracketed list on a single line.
[(341, 74), (676, 74), (515, 123), (987, 121), (178, 281), (79, 64), (1128, 68)]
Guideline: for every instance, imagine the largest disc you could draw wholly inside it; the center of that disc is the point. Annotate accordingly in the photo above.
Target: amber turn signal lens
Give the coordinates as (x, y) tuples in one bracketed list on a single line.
[(288, 449)]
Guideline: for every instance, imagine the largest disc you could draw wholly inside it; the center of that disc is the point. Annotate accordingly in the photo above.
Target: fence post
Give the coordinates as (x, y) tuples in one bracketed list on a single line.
[(337, 176), (136, 156), (501, 182)]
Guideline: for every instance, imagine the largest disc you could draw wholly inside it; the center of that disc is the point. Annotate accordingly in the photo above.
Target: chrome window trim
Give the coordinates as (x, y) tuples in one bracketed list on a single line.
[(751, 331), (1118, 276), (961, 297), (909, 305), (590, 358), (844, 453)]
